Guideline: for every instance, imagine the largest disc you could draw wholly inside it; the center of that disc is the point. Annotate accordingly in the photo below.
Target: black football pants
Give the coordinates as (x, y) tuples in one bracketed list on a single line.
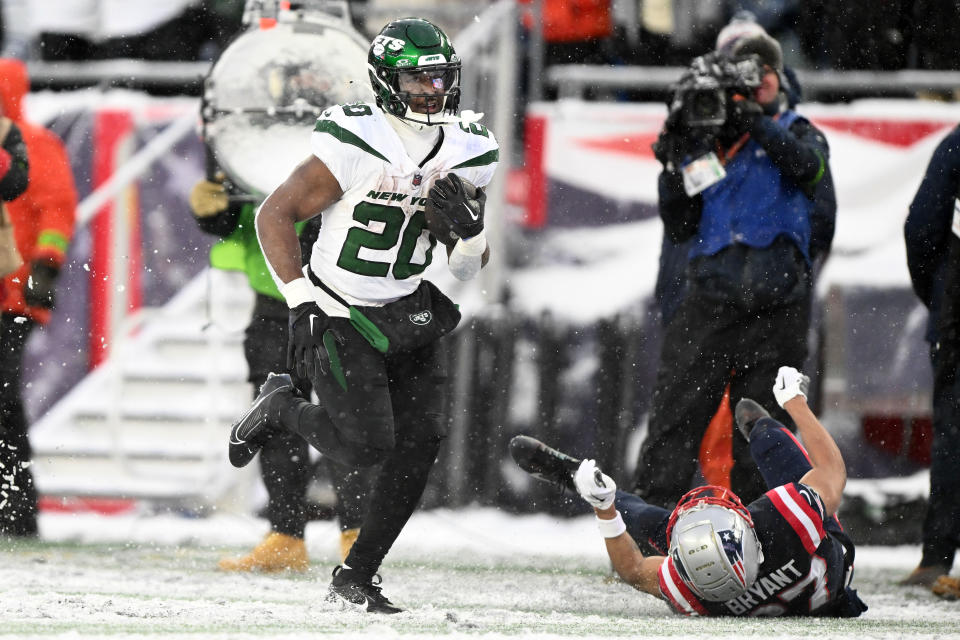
[(391, 412), (18, 500), (708, 344), (941, 526), (285, 466), (284, 459)]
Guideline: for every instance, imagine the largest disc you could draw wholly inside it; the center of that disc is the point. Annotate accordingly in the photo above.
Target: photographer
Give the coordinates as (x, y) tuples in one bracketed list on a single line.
[(671, 282), (740, 173)]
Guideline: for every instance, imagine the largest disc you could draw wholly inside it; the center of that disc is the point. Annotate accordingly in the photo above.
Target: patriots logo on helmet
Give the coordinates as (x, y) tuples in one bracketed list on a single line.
[(732, 544), (712, 537)]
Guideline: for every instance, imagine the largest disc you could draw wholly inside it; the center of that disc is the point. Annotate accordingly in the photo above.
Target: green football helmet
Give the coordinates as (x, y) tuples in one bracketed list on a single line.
[(415, 72)]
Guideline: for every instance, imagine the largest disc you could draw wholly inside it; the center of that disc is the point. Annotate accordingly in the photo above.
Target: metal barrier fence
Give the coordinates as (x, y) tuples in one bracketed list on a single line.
[(586, 390), (576, 80), (583, 389)]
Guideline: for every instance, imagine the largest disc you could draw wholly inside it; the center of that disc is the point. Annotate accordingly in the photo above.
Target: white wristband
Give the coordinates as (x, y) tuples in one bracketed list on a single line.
[(296, 292), (474, 246), (611, 528)]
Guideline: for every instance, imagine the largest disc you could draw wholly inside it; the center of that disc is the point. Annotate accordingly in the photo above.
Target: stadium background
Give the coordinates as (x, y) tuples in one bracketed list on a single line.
[(565, 349)]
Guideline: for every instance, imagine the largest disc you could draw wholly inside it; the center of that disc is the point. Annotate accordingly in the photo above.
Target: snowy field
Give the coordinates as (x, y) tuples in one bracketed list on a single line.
[(474, 573)]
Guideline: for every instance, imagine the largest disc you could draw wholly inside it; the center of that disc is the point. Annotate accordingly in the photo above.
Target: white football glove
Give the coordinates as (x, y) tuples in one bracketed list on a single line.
[(790, 384), (594, 486)]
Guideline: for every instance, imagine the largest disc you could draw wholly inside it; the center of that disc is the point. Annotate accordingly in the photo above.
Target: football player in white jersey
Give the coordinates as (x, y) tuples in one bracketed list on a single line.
[(389, 179)]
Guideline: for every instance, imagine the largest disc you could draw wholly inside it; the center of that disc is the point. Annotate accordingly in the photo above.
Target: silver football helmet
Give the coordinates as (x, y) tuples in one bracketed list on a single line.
[(713, 544)]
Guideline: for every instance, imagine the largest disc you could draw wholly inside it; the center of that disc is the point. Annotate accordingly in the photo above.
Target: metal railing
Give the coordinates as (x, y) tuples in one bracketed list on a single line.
[(488, 81), (574, 80), (173, 77)]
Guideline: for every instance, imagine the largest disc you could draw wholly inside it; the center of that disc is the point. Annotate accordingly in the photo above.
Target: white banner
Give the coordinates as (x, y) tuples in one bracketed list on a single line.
[(879, 150)]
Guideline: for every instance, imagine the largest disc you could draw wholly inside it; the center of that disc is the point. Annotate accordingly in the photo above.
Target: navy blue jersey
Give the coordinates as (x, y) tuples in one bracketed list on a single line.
[(803, 565)]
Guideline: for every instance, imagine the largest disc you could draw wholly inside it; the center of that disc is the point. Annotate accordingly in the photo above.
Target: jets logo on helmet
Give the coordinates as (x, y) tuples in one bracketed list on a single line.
[(415, 72), (713, 544), (382, 44)]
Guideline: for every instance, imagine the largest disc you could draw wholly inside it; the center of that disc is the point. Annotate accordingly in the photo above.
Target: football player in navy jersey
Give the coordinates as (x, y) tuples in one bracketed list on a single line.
[(783, 554)]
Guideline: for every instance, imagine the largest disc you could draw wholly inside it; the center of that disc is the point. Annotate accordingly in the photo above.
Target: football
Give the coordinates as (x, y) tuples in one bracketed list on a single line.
[(443, 194)]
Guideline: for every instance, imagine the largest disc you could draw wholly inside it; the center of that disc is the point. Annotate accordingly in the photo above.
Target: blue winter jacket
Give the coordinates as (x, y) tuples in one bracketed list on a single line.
[(671, 283), (754, 204), (793, 155)]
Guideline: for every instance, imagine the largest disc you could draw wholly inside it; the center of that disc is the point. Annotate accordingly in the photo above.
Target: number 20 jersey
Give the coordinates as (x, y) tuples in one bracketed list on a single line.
[(373, 244)]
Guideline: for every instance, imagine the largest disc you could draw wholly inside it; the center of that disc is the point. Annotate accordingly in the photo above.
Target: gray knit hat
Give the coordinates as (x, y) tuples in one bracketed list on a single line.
[(762, 45)]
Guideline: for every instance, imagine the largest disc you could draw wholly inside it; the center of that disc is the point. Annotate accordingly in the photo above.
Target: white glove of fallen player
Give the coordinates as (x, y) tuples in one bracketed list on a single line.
[(594, 486), (790, 384)]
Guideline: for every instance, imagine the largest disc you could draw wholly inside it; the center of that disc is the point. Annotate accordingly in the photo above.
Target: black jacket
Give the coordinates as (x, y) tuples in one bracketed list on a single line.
[(927, 229)]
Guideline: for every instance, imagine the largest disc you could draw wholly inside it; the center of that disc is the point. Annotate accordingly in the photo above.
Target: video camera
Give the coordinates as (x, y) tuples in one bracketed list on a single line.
[(703, 96)]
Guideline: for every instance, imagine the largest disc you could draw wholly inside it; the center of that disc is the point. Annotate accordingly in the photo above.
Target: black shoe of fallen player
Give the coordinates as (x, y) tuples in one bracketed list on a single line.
[(543, 462), (348, 585), (252, 429), (746, 415)]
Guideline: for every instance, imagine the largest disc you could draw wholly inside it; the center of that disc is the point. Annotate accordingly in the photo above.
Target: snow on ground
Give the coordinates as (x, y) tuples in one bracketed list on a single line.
[(477, 573)]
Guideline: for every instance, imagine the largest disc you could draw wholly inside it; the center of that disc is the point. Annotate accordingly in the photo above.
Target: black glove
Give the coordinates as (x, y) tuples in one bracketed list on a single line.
[(454, 209), (744, 116), (671, 144), (305, 351), (668, 148), (40, 290)]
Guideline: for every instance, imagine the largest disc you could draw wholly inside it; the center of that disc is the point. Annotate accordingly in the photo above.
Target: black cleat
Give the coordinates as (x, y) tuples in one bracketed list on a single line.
[(543, 462), (348, 585), (746, 415), (250, 431)]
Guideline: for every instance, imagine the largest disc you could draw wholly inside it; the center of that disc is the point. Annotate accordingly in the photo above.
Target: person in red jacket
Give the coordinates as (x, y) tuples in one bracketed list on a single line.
[(43, 219), (14, 170)]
